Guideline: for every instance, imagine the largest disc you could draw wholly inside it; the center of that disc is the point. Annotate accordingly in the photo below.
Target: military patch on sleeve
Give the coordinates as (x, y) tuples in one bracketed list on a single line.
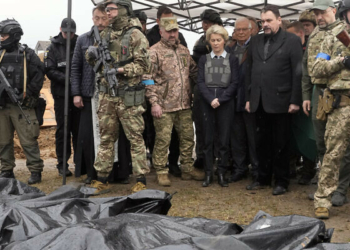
[(45, 55)]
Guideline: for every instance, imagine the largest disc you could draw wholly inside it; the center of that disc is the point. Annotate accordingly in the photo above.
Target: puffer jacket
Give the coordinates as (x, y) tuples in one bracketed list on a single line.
[(82, 73)]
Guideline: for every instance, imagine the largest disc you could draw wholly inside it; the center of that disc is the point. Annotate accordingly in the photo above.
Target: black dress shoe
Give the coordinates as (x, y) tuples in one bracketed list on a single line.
[(221, 180), (142, 179), (278, 190), (236, 177), (255, 185), (35, 177), (208, 179), (199, 163), (7, 174), (88, 180), (123, 180), (68, 173), (174, 170)]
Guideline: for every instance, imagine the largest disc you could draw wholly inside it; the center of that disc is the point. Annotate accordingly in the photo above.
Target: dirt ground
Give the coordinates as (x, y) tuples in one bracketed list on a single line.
[(233, 204)]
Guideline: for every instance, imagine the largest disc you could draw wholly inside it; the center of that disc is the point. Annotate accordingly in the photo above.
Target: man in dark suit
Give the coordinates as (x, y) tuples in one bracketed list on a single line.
[(273, 92)]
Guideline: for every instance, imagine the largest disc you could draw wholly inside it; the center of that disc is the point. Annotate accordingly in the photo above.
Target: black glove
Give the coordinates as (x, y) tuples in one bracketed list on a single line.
[(346, 62), (93, 53)]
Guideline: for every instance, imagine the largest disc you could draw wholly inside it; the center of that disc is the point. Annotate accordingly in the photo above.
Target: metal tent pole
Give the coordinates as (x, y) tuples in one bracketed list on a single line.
[(66, 95)]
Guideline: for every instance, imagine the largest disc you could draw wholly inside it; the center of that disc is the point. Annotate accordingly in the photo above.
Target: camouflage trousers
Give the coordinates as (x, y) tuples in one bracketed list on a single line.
[(182, 121), (11, 119), (110, 112), (337, 138)]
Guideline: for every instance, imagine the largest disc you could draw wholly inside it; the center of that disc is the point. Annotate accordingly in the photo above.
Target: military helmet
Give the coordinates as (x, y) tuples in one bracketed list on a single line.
[(125, 3), (211, 16), (344, 6), (308, 16), (141, 15), (13, 28)]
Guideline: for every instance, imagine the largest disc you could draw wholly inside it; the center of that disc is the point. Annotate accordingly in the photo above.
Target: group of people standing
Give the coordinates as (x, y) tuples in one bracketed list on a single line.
[(245, 94)]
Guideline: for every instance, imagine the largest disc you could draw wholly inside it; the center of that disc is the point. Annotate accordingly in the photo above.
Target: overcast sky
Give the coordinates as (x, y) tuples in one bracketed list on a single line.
[(41, 19)]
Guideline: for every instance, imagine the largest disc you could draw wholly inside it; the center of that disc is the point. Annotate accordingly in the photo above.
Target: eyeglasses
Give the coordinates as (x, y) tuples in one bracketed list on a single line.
[(243, 29), (108, 9)]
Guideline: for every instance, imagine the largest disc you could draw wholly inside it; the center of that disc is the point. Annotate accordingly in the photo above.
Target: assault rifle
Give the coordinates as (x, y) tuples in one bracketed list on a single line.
[(12, 93), (106, 60)]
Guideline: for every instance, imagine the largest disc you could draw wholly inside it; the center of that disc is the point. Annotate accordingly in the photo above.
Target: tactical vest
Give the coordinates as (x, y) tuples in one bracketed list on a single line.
[(217, 72), (12, 65)]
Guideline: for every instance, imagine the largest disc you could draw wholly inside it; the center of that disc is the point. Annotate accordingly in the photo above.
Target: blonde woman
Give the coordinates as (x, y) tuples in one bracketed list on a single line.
[(217, 83)]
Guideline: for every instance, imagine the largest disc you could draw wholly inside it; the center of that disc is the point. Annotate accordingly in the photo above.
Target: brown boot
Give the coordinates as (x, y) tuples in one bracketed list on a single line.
[(195, 174), (163, 180), (321, 213), (101, 187)]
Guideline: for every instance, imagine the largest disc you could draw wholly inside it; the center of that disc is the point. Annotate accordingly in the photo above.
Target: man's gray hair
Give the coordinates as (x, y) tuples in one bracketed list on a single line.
[(244, 19)]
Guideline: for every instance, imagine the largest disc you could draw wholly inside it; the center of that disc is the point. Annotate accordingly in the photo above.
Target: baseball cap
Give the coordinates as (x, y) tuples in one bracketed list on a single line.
[(64, 25), (322, 4), (169, 23)]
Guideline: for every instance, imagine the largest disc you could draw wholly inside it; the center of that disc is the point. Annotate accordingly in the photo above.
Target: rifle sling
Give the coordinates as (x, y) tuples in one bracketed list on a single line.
[(25, 75), (2, 55)]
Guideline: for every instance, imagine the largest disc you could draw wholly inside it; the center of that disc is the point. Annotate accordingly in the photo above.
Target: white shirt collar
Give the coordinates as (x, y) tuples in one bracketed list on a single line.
[(223, 55)]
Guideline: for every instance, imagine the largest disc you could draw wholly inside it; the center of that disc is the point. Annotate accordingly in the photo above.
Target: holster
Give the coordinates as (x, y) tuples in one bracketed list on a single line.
[(328, 101), (321, 114)]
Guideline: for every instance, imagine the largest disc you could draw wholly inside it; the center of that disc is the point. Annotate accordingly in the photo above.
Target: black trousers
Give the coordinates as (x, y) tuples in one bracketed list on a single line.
[(197, 118), (72, 128), (85, 153), (273, 147), (123, 168), (216, 120), (243, 143)]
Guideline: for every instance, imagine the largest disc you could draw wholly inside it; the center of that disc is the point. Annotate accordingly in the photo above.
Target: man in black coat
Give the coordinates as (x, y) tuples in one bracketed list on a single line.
[(82, 89), (153, 36), (55, 69), (243, 138), (273, 92)]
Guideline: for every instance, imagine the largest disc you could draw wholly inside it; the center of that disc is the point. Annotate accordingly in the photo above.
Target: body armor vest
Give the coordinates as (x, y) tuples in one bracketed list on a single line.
[(120, 48), (217, 72), (12, 66)]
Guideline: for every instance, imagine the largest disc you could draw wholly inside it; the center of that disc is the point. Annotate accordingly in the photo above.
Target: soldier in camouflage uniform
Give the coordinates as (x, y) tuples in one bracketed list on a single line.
[(128, 47), (333, 63), (310, 81), (309, 22), (170, 97)]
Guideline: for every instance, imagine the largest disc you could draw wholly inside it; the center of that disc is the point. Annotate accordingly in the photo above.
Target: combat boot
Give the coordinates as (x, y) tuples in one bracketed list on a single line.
[(321, 213), (7, 174), (140, 184), (163, 180), (194, 174), (35, 177), (101, 185)]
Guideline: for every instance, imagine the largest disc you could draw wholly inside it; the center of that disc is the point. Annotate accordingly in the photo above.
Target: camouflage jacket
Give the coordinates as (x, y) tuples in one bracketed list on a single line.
[(173, 67), (331, 65), (312, 49), (138, 60)]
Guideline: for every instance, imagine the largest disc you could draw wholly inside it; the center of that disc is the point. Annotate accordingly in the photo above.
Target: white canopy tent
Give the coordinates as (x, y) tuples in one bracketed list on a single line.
[(188, 11)]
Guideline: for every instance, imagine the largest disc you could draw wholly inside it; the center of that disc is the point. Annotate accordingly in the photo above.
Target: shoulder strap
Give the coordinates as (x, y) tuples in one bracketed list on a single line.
[(208, 64), (2, 54), (24, 74)]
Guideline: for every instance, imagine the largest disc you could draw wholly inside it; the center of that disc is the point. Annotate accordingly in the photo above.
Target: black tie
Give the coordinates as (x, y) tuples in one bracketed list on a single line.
[(266, 48)]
